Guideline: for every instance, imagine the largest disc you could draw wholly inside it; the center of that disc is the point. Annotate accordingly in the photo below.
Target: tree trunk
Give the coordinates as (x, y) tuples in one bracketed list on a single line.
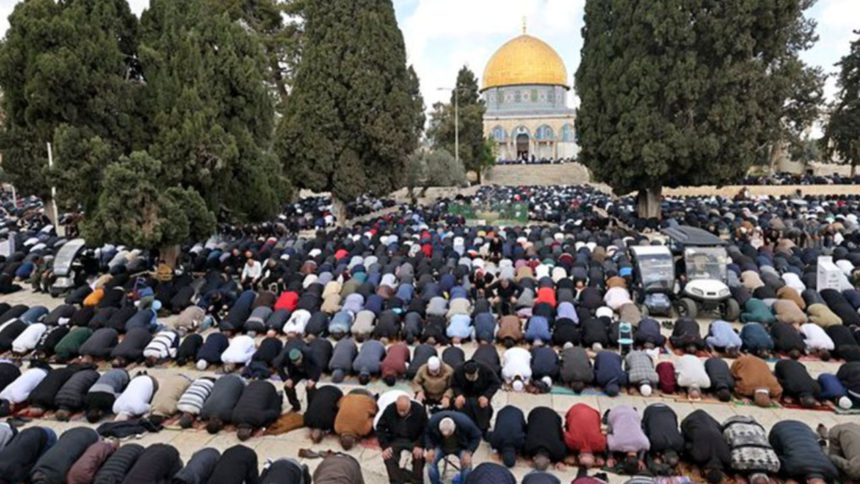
[(648, 202), (478, 172), (338, 209), (777, 153), (170, 255)]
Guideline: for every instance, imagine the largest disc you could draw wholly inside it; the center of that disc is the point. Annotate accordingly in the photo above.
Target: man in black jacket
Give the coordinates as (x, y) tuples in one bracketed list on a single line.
[(705, 445), (322, 411), (22, 453), (796, 382), (722, 382), (660, 424), (544, 439), (158, 463), (237, 465), (55, 463), (401, 428), (258, 407), (474, 385), (298, 365), (508, 434)]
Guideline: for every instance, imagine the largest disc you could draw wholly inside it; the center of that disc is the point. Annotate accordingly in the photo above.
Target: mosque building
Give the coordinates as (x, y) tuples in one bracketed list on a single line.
[(525, 87)]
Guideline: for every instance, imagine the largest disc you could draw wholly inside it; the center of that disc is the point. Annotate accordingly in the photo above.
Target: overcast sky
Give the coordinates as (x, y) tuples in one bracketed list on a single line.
[(443, 35)]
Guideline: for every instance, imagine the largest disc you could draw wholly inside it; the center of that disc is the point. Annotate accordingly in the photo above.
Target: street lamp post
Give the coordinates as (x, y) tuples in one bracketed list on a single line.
[(456, 122), (61, 231)]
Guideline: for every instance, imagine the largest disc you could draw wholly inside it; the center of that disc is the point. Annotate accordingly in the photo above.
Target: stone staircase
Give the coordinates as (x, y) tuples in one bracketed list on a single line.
[(513, 175)]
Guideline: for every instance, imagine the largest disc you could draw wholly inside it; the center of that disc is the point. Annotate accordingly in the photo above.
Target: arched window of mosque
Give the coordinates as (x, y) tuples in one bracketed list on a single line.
[(534, 95), (499, 133), (521, 130), (518, 97), (544, 133), (567, 133), (551, 96)]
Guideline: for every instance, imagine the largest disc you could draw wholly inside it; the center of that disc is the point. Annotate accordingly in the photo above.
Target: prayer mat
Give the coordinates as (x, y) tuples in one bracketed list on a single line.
[(855, 410), (588, 392), (787, 402), (748, 402)]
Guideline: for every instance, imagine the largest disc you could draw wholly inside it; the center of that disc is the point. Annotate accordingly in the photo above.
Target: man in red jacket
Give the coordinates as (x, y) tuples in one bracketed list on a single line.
[(583, 435), (394, 363)]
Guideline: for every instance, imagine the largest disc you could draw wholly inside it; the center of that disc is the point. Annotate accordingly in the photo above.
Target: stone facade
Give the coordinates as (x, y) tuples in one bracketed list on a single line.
[(541, 128)]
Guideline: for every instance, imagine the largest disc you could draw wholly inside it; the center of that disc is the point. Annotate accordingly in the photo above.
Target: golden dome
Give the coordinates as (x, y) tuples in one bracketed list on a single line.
[(525, 60)]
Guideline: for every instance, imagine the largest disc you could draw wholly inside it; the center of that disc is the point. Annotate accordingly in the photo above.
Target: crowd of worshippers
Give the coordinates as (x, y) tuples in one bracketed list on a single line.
[(808, 178), (556, 297), (624, 441), (534, 160), (81, 456)]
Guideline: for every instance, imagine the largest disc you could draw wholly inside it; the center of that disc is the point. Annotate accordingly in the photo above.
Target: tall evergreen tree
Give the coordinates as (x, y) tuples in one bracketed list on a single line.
[(353, 116), (685, 93), (277, 25), (64, 73), (210, 114), (471, 111), (842, 133)]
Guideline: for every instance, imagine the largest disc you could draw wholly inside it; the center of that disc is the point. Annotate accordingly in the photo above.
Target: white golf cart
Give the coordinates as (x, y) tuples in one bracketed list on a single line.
[(704, 287)]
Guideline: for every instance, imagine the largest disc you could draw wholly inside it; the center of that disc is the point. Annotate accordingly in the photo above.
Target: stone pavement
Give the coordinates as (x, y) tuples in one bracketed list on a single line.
[(288, 445)]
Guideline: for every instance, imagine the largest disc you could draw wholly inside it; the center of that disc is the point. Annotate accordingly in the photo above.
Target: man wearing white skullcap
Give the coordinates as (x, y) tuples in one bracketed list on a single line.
[(433, 383)]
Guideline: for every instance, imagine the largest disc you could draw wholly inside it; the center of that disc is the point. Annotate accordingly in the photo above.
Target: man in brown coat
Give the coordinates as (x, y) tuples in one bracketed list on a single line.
[(753, 379), (354, 417), (787, 311), (433, 382), (788, 292), (510, 330)]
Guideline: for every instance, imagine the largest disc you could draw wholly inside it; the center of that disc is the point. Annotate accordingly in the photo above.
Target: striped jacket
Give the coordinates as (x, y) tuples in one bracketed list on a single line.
[(193, 398)]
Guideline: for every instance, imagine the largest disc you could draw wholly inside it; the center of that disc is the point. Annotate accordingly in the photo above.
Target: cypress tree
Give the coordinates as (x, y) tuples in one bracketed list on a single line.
[(685, 92), (353, 117), (210, 113), (280, 38), (64, 71), (842, 133)]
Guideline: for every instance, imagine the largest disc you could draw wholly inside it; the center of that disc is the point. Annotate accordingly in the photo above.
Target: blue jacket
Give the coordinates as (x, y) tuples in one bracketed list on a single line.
[(212, 348), (799, 453), (460, 327), (755, 337), (538, 328), (468, 435), (485, 327), (722, 335), (831, 387), (608, 369), (490, 473), (509, 432)]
